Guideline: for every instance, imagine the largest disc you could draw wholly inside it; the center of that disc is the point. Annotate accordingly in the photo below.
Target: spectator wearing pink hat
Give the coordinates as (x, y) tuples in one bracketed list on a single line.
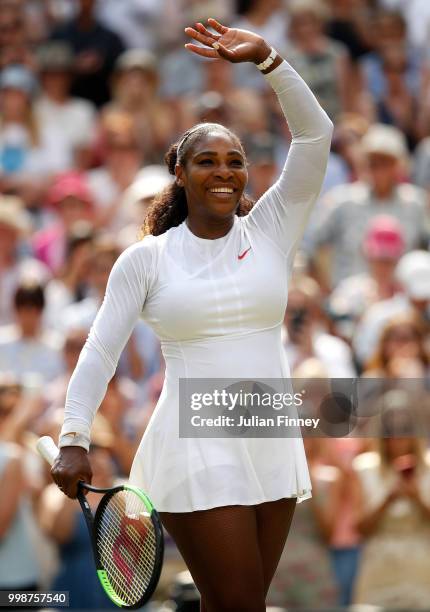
[(72, 201), (413, 274), (382, 247)]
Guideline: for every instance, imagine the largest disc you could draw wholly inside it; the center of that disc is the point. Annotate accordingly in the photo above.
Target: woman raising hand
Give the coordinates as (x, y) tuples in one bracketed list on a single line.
[(211, 278)]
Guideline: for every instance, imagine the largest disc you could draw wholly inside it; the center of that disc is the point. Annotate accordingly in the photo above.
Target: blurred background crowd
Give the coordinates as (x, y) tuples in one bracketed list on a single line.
[(92, 92)]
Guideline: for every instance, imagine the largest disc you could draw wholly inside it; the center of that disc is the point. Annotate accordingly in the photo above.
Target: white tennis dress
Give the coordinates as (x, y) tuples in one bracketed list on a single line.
[(217, 307)]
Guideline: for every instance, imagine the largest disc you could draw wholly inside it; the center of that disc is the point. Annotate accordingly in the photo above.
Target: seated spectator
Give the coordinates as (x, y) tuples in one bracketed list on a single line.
[(306, 335), (412, 273), (346, 149), (383, 245), (398, 105), (29, 147), (135, 92), (25, 348), (121, 156), (343, 537), (390, 30), (19, 569), (416, 15), (72, 202), (19, 407), (70, 285), (20, 140), (141, 354), (401, 351), (348, 209), (70, 120), (15, 226), (349, 24), (393, 512), (96, 50), (323, 63), (81, 315), (14, 44)]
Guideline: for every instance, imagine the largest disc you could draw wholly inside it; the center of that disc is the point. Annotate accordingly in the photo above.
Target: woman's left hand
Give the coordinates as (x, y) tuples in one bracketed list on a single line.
[(229, 43)]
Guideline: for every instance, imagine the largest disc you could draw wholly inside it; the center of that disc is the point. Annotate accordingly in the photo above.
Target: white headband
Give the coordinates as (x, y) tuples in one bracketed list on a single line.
[(184, 138)]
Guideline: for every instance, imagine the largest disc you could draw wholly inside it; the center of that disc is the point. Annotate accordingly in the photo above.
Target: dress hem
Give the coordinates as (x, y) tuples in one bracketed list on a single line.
[(306, 494)]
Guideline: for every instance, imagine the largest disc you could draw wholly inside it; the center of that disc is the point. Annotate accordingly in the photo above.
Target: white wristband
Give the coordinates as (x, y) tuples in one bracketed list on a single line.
[(74, 439), (268, 61)]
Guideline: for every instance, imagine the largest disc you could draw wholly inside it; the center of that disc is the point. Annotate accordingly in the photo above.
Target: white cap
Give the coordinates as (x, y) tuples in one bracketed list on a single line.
[(413, 273), (147, 183), (386, 140)]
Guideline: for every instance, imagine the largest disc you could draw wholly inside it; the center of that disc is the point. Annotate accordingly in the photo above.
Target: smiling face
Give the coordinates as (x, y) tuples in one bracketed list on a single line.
[(214, 176)]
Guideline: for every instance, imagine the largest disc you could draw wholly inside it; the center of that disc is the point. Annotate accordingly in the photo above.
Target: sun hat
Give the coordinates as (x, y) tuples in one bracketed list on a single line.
[(148, 182), (385, 140)]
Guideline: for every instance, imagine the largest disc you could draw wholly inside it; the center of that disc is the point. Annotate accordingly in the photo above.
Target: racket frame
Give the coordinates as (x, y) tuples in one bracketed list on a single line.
[(92, 522)]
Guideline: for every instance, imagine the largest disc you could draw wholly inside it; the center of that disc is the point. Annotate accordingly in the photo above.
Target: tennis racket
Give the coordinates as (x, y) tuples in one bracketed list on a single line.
[(126, 538)]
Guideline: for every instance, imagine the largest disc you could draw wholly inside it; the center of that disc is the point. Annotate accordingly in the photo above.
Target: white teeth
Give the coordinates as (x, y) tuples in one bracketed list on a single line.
[(221, 190)]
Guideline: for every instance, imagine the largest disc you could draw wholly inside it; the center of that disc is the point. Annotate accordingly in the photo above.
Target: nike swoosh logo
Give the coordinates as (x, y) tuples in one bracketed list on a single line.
[(244, 253)]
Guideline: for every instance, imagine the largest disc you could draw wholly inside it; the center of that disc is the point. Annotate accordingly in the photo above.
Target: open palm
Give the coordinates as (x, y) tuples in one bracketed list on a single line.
[(228, 43)]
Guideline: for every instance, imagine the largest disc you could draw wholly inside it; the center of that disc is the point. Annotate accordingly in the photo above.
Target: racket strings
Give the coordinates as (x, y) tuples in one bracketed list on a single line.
[(127, 545), (123, 556)]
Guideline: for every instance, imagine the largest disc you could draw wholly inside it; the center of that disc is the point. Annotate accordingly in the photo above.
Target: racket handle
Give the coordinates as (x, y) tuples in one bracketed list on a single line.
[(47, 449)]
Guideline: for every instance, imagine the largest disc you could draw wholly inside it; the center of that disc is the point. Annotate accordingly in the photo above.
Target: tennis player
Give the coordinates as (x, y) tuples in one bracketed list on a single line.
[(211, 278)]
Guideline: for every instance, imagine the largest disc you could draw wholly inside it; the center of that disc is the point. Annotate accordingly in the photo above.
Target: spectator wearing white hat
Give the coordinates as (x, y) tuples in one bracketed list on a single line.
[(413, 274), (137, 198), (14, 266), (348, 209)]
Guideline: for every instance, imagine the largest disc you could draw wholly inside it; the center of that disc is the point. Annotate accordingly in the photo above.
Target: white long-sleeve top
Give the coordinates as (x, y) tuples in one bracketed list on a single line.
[(217, 315)]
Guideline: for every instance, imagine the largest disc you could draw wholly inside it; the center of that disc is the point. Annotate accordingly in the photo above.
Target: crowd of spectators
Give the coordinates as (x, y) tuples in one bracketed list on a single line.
[(92, 92)]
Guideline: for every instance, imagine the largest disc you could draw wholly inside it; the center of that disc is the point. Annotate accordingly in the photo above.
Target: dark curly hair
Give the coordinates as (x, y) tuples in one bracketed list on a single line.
[(169, 207)]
